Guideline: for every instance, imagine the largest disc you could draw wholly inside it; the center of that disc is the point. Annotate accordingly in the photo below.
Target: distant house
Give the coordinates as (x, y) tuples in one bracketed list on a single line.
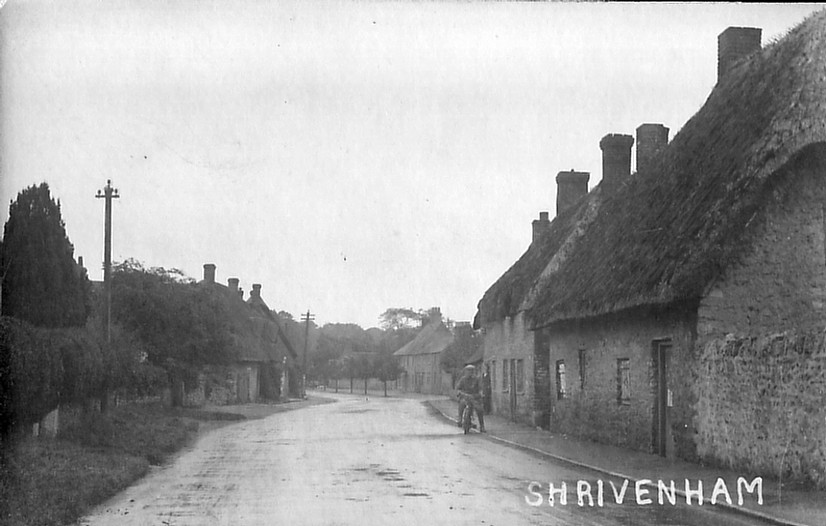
[(264, 354), (274, 331), (680, 309), (421, 359)]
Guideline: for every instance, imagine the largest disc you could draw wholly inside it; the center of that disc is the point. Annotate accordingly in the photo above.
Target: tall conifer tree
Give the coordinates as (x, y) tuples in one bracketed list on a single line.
[(42, 283)]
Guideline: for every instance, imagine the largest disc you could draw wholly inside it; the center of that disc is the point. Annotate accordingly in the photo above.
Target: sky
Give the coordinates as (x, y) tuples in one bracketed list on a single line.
[(348, 156)]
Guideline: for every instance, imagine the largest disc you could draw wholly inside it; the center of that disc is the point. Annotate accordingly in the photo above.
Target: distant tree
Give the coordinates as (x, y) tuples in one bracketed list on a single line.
[(466, 344), (387, 369), (395, 318), (364, 368), (42, 284), (322, 362), (286, 315)]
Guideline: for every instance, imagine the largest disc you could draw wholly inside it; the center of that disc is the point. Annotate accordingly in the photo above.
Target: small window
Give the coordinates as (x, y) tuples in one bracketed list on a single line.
[(520, 376), (505, 377), (582, 369), (623, 381), (560, 379), (492, 375)]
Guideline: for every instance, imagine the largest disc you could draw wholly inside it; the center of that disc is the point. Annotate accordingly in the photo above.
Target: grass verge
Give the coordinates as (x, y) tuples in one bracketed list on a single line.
[(54, 481)]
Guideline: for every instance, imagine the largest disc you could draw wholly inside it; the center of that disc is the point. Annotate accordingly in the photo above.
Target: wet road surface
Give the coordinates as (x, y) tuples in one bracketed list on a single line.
[(364, 461)]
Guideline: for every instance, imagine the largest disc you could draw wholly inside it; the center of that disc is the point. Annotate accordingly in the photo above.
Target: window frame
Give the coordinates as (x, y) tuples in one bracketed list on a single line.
[(561, 382), (623, 381)]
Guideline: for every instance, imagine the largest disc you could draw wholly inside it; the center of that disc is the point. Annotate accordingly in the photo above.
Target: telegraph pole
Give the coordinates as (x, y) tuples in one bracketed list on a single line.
[(305, 318), (108, 194)]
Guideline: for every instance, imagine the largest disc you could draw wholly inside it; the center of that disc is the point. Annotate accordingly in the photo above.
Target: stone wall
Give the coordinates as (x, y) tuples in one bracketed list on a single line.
[(760, 405), (510, 339), (591, 407), (781, 281)]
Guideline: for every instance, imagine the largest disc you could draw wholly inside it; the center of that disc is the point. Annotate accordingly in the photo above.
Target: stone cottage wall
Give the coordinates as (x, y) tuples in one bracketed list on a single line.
[(510, 339), (760, 406), (760, 389), (780, 282), (591, 408)]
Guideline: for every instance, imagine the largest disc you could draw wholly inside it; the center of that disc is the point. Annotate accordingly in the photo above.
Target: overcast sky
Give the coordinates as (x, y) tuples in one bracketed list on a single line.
[(348, 156)]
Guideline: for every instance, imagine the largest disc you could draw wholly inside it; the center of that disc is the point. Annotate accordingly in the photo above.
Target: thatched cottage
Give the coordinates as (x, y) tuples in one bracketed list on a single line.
[(670, 298), (283, 372), (264, 354), (512, 352), (421, 357)]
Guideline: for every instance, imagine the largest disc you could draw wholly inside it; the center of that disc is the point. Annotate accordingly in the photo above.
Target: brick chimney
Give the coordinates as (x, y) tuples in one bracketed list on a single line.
[(540, 225), (616, 157), (256, 290), (232, 283), (241, 294), (651, 140), (570, 188), (734, 44), (209, 273)]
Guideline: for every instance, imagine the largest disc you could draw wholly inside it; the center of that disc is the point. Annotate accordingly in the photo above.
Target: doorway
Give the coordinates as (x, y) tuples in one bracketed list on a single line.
[(661, 351)]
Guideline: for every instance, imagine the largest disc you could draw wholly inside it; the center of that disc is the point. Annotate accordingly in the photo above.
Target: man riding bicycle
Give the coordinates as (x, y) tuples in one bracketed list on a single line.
[(469, 385)]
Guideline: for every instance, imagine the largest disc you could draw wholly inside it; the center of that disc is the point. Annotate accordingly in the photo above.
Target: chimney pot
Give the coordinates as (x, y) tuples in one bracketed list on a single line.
[(256, 290), (616, 157), (651, 140), (233, 283), (539, 226), (734, 44), (241, 293), (209, 272), (570, 188)]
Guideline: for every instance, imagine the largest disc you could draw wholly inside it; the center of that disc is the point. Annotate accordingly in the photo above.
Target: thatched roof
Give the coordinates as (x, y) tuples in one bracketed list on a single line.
[(432, 339), (669, 232), (280, 336), (507, 296), (254, 335)]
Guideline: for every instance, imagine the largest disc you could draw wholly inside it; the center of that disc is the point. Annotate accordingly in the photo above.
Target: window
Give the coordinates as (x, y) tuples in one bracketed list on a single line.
[(505, 377), (520, 376), (493, 375), (623, 381), (560, 379), (582, 369)]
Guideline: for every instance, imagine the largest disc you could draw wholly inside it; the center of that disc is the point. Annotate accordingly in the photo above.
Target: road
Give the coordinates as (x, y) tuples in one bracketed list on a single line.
[(364, 461)]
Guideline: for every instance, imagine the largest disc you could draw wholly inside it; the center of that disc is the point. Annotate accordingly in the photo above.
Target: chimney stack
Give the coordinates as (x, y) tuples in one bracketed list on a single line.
[(241, 294), (256, 290), (232, 283), (540, 226), (616, 157), (734, 44), (570, 188), (209, 273), (651, 140)]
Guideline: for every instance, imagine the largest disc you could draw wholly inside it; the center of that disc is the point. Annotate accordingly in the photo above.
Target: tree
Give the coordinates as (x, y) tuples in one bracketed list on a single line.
[(182, 326), (42, 284), (465, 346), (395, 318), (32, 374), (386, 368)]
